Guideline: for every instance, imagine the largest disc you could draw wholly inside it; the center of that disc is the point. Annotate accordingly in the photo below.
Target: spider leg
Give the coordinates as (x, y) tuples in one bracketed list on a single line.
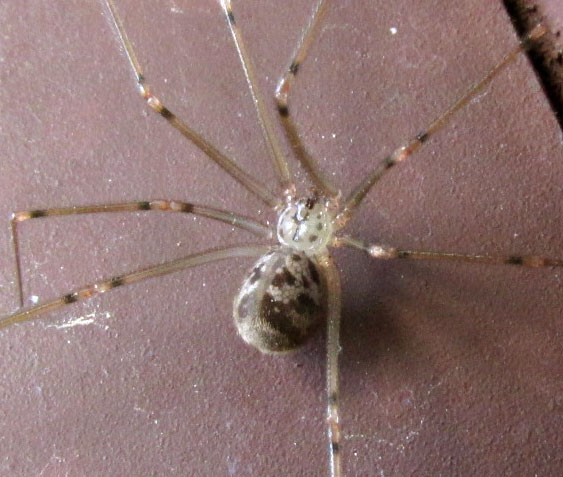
[(154, 103), (283, 89), (134, 277), (332, 277), (384, 252), (280, 163), (162, 205), (399, 155)]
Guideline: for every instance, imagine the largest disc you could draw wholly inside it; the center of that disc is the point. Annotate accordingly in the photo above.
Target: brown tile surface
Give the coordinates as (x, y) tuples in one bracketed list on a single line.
[(447, 369)]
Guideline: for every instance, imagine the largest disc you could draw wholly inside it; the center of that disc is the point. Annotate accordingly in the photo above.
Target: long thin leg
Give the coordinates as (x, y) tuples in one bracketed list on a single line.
[(154, 103), (162, 205), (283, 89), (332, 277), (383, 252), (280, 163), (16, 248), (134, 277), (399, 155)]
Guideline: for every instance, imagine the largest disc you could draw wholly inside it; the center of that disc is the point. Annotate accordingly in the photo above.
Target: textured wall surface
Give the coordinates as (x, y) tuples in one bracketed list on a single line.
[(447, 369)]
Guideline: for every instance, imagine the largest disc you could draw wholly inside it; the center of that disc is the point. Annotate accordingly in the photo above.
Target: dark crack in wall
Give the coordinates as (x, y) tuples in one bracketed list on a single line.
[(547, 53)]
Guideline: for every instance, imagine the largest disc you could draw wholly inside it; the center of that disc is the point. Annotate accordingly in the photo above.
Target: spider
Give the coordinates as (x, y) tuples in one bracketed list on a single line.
[(299, 270)]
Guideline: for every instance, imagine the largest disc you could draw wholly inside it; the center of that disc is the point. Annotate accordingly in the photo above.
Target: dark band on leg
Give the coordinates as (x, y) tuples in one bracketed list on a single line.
[(332, 399), (115, 282), (70, 298), (422, 137), (230, 17), (185, 207), (283, 110), (294, 67), (34, 214), (389, 162), (515, 260), (166, 113)]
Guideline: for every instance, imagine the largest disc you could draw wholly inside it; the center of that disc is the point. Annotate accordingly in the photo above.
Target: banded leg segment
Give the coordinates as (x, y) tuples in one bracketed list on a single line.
[(162, 205), (280, 163), (399, 155), (320, 180), (283, 89), (332, 277), (155, 104), (383, 252), (134, 277)]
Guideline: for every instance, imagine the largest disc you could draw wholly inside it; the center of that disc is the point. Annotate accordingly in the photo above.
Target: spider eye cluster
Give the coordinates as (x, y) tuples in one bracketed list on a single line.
[(306, 225)]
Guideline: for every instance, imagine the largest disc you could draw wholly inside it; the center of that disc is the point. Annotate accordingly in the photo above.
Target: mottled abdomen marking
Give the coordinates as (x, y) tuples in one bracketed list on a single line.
[(281, 303)]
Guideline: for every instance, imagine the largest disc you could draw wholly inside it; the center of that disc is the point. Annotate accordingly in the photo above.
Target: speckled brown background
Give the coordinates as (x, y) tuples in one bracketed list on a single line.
[(446, 369)]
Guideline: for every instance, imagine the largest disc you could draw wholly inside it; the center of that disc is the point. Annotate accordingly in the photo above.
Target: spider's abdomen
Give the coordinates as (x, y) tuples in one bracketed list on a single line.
[(281, 303)]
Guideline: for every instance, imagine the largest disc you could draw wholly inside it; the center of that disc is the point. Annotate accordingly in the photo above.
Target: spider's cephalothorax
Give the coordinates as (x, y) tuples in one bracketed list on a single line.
[(307, 224), (282, 301)]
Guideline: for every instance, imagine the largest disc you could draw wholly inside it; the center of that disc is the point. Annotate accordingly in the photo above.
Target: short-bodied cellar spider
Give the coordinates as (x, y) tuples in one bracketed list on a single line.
[(306, 206)]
